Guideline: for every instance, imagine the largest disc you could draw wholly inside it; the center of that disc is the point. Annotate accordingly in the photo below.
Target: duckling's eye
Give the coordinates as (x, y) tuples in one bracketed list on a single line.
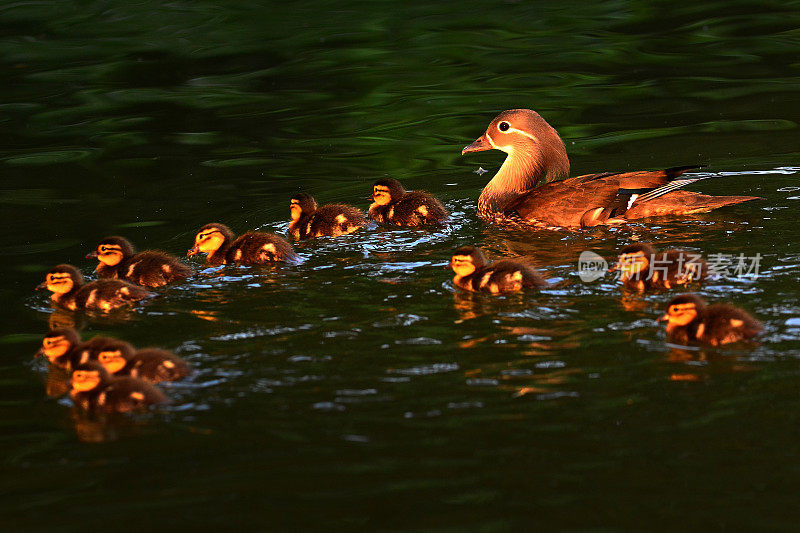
[(503, 126)]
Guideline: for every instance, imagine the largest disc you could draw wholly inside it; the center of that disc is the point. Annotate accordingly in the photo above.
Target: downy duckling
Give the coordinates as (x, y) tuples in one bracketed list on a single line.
[(94, 389), (689, 319), (643, 269), (474, 273), (222, 247), (69, 291), (150, 364), (151, 268), (330, 220), (393, 205), (58, 346)]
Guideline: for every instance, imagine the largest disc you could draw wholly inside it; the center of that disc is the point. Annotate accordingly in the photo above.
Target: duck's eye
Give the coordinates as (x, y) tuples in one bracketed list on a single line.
[(503, 126)]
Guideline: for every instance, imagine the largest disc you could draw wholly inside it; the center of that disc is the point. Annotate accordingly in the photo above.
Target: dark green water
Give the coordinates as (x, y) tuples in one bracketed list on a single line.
[(359, 390)]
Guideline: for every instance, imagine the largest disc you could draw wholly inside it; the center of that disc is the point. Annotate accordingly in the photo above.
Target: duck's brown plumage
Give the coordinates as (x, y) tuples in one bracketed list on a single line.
[(331, 220), (253, 248), (151, 268), (503, 276), (664, 270), (58, 345), (115, 394), (395, 206), (120, 358), (536, 154), (689, 319), (69, 291)]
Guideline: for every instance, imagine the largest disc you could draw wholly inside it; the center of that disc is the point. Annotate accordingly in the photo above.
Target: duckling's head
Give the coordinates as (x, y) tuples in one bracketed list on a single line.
[(62, 279), (633, 259), (88, 377), (387, 191), (683, 309), (111, 251), (524, 135), (211, 238), (58, 343), (114, 356), (467, 260), (302, 204)]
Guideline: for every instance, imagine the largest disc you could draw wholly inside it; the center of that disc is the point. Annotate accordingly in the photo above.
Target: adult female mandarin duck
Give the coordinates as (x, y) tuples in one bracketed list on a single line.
[(524, 190)]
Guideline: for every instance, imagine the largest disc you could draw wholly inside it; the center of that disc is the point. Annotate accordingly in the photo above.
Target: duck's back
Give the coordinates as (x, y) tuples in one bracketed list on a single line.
[(723, 324), (129, 394), (258, 247), (333, 220), (153, 268), (416, 208), (155, 365), (108, 294)]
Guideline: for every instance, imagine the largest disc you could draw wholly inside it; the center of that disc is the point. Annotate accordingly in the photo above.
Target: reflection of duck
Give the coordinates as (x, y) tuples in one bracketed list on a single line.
[(642, 268), (536, 154), (475, 273), (69, 291), (393, 205), (94, 389), (151, 268), (58, 345), (689, 319), (329, 220), (253, 248)]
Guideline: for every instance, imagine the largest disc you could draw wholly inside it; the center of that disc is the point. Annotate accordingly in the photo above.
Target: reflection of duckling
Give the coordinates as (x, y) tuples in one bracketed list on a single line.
[(393, 205), (150, 268), (58, 346), (253, 248), (642, 268), (330, 220), (94, 389), (69, 291), (689, 319), (473, 273)]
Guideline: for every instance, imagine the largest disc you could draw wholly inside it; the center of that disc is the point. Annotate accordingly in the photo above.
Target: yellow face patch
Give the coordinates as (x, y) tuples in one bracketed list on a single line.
[(380, 195), (112, 361), (295, 210), (631, 264), (109, 254), (462, 265), (85, 380), (207, 241), (54, 347), (59, 282), (681, 314)]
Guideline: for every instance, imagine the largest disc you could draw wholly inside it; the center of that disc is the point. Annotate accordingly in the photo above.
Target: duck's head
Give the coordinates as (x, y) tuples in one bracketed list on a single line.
[(467, 260), (387, 191), (535, 150), (58, 343), (302, 204), (111, 251), (211, 238), (114, 356), (683, 309), (634, 259), (62, 279), (87, 377)]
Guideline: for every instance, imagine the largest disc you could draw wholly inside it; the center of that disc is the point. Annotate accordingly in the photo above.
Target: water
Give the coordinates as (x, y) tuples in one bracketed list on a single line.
[(359, 389)]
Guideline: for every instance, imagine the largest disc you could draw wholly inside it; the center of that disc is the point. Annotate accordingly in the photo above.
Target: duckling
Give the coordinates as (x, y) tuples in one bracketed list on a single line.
[(151, 364), (151, 268), (393, 205), (330, 220), (58, 345), (643, 269), (69, 291), (253, 248), (689, 319), (474, 273), (94, 389)]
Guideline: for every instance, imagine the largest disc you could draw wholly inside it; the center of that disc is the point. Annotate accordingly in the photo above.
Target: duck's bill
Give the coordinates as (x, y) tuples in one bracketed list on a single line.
[(664, 318), (192, 251), (92, 255), (481, 144)]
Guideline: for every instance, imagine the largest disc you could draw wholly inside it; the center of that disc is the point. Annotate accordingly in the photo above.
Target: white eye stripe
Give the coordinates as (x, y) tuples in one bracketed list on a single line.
[(525, 133)]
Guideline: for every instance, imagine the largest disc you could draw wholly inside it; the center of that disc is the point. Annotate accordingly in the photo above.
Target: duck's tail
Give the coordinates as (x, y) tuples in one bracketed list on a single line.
[(681, 203)]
